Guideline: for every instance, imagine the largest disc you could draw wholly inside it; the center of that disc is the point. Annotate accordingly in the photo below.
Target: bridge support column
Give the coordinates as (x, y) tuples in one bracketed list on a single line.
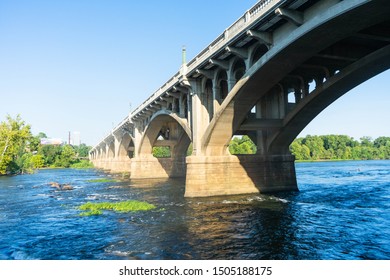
[(151, 167), (241, 174), (120, 165)]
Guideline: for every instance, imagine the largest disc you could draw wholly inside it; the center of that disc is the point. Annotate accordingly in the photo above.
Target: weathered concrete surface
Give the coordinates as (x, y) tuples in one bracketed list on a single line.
[(151, 167), (228, 175), (120, 165)]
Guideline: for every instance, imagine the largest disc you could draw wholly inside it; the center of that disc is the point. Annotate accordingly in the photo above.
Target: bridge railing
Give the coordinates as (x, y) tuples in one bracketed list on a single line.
[(240, 25), (257, 11), (170, 83)]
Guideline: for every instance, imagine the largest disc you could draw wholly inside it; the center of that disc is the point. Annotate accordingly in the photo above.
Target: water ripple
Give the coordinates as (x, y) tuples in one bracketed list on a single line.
[(341, 212)]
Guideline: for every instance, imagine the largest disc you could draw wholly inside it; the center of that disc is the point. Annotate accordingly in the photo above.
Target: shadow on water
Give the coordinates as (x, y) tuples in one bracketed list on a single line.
[(223, 226), (234, 227)]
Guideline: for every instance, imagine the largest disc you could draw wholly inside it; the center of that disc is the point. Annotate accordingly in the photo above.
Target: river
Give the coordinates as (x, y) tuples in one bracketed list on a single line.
[(342, 211)]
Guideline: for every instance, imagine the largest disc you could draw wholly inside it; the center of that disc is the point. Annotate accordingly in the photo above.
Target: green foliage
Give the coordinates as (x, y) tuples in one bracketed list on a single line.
[(66, 158), (20, 152), (82, 164), (190, 149), (122, 206), (82, 151), (332, 147), (297, 148), (14, 138), (242, 145), (23, 164), (162, 152), (382, 142), (37, 161)]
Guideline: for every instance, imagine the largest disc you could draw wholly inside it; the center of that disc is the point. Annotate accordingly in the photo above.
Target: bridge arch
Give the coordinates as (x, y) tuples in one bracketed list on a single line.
[(126, 146), (164, 129), (238, 70), (329, 91), (110, 149), (221, 82), (173, 129), (258, 51), (207, 98), (290, 59)]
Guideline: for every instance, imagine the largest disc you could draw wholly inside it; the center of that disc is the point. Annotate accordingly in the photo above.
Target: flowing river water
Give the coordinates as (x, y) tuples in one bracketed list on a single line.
[(342, 211)]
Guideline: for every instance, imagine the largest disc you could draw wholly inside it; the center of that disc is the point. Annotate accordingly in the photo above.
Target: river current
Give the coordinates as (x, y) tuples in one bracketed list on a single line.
[(342, 211)]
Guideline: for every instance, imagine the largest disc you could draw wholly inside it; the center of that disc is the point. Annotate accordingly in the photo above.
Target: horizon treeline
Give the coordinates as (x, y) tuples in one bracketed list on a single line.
[(340, 147), (325, 147)]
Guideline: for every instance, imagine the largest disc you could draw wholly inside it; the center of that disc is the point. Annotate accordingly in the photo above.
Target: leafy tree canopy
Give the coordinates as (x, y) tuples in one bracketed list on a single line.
[(14, 138), (21, 152)]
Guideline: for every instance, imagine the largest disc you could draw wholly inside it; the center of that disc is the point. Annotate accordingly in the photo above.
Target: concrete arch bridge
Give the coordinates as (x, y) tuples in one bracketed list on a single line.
[(266, 76)]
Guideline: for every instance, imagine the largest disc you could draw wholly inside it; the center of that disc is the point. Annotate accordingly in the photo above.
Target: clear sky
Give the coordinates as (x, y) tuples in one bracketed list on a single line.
[(81, 65)]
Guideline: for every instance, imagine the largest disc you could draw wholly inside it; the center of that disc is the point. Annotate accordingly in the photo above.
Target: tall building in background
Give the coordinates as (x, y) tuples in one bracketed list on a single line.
[(75, 139)]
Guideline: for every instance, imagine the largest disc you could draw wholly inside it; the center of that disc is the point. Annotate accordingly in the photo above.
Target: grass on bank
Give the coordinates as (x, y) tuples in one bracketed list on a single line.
[(122, 206), (83, 164)]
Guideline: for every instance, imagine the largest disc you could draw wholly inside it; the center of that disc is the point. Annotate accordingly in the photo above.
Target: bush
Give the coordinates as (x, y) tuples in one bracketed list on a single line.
[(82, 164)]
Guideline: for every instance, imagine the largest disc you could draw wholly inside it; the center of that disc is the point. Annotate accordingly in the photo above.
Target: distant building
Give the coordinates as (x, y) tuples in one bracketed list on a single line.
[(51, 141), (75, 140)]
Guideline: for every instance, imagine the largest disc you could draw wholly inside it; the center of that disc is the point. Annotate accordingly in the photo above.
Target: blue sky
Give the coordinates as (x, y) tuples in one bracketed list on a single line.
[(79, 65)]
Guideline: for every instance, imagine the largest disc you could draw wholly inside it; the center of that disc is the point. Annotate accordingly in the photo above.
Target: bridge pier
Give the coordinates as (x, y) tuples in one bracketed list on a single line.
[(150, 167), (240, 174), (120, 165)]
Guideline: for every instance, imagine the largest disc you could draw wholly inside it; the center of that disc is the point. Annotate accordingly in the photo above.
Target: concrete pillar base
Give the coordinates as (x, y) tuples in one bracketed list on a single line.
[(120, 165), (151, 167), (241, 174)]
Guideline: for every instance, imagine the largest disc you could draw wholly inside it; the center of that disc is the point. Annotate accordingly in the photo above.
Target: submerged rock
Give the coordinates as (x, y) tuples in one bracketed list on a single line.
[(61, 187), (55, 185), (67, 188)]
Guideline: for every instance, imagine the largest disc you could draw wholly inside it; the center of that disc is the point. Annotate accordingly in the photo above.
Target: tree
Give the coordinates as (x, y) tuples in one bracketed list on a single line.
[(300, 150), (14, 137), (162, 152), (50, 153), (242, 146), (82, 150), (366, 141), (35, 142), (340, 147), (37, 161), (315, 145), (382, 142), (66, 158)]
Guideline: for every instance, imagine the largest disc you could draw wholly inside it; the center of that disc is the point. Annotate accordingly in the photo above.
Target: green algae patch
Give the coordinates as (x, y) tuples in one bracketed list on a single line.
[(91, 213), (122, 206)]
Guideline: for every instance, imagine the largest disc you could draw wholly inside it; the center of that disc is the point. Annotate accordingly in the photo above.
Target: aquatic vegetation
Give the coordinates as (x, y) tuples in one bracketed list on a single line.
[(102, 180), (91, 213), (122, 206)]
